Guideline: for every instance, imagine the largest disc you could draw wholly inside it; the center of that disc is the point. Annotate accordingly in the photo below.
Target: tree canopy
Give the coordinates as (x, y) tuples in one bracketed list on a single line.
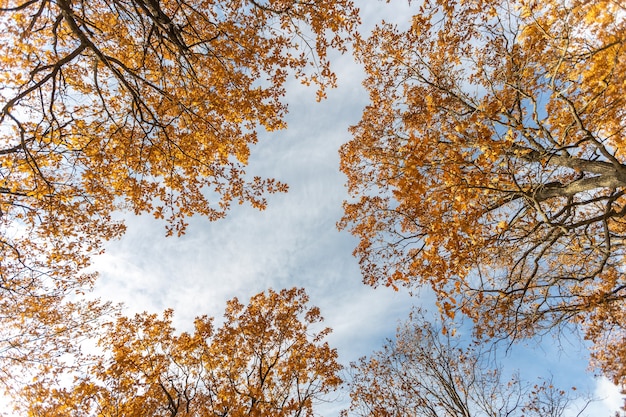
[(490, 165), (138, 105), (424, 372), (269, 358)]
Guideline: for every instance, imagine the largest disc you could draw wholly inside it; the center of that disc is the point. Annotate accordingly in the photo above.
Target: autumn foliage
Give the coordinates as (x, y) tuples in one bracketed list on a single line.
[(490, 165), (267, 359), (134, 105)]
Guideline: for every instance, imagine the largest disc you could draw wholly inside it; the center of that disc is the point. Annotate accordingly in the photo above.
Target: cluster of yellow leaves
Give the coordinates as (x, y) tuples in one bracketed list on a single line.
[(490, 165), (141, 105), (265, 360)]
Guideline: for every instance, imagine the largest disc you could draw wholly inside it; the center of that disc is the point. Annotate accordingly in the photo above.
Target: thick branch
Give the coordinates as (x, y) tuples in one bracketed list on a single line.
[(578, 186), (578, 164)]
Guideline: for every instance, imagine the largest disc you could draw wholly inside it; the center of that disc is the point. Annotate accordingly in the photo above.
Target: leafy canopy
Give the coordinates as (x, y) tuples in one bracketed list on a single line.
[(490, 165), (141, 105), (267, 359)]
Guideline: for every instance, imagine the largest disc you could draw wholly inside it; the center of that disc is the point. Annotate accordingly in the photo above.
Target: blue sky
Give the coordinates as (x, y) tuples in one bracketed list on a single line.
[(294, 242)]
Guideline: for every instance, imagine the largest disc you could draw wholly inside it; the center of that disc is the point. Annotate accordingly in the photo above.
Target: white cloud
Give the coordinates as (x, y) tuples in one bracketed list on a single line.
[(608, 396)]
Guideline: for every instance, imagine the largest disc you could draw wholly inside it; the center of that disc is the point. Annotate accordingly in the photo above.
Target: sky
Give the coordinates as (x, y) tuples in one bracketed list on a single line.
[(295, 242)]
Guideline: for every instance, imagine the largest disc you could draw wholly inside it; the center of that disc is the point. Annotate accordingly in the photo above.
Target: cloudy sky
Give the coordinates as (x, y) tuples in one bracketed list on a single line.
[(294, 242)]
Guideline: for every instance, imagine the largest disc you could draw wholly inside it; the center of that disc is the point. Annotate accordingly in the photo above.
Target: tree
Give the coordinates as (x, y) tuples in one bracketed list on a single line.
[(426, 373), (141, 105), (265, 360), (490, 166)]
